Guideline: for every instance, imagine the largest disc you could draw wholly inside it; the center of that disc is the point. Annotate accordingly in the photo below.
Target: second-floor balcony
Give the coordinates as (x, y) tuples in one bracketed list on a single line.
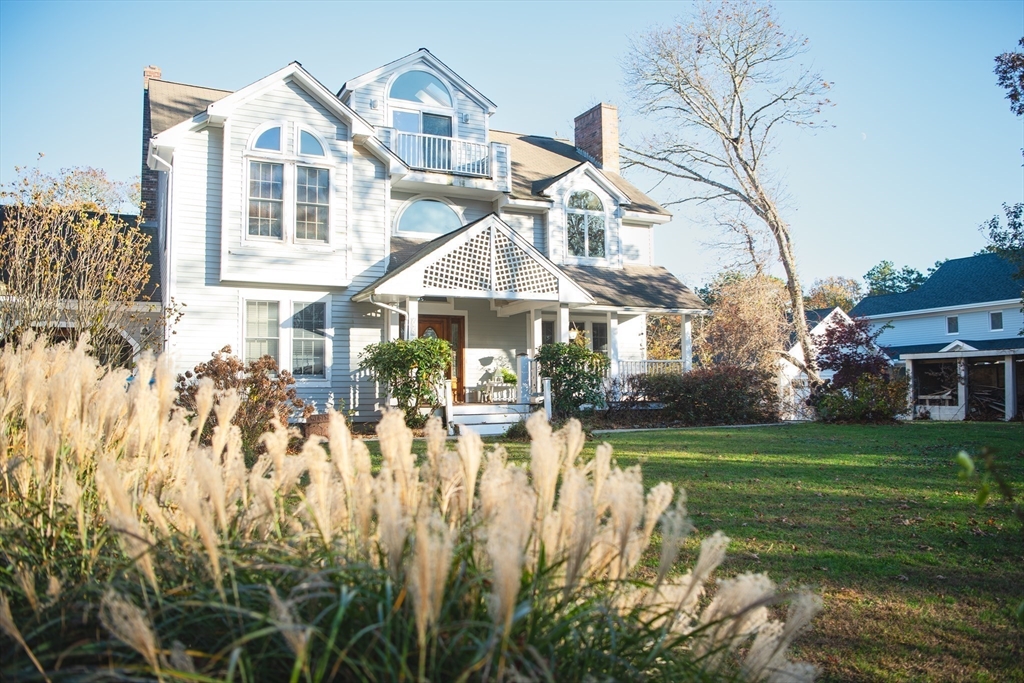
[(483, 166), (443, 154)]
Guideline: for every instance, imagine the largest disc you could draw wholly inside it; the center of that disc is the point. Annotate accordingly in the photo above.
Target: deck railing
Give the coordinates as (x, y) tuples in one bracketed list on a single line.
[(440, 153)]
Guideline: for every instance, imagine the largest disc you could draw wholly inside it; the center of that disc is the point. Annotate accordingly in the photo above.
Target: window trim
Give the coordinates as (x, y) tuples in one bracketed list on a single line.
[(290, 159), (957, 323), (1002, 322), (286, 313), (408, 105), (604, 213), (425, 235)]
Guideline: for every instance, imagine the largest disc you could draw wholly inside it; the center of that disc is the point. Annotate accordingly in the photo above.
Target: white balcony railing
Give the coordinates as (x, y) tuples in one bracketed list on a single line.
[(439, 153), (650, 367)]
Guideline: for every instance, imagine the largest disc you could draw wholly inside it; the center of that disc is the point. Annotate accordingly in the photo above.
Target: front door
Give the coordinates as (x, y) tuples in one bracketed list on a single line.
[(453, 330)]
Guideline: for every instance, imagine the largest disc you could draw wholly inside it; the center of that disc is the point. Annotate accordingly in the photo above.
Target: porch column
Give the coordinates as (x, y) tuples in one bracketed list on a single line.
[(391, 329), (412, 318), (911, 398), (687, 342), (961, 387), (1011, 387), (613, 343), (563, 323), (536, 332)]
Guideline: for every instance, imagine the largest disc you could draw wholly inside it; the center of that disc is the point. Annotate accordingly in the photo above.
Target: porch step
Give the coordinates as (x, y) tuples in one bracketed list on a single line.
[(489, 419)]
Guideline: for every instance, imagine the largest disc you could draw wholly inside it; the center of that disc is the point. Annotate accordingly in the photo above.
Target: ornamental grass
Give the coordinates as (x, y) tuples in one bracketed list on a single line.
[(131, 551)]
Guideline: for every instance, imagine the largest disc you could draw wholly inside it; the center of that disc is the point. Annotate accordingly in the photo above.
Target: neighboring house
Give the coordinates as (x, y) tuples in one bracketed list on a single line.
[(305, 224), (958, 337), (794, 388)]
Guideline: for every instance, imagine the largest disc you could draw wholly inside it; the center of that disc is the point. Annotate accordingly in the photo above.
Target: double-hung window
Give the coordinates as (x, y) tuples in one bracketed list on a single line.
[(289, 187), (585, 225), (294, 333)]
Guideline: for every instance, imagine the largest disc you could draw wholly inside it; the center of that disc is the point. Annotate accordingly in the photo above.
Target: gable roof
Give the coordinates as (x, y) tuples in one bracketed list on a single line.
[(538, 162), (957, 282), (421, 55), (171, 103)]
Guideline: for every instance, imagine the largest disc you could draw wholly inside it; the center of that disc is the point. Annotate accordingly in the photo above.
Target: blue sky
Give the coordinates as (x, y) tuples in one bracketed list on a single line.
[(923, 146)]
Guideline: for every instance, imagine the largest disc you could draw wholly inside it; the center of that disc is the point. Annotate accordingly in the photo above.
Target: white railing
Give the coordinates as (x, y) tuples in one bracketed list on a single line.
[(650, 367), (439, 153)]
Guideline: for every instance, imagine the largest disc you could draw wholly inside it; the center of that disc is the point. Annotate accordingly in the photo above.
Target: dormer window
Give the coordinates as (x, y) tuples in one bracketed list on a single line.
[(428, 217), (585, 226)]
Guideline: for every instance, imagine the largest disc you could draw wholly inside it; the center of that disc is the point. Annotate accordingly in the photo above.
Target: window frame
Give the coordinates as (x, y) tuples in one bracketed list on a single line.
[(286, 302), (392, 104), (290, 159), (587, 213), (991, 323), (956, 323)]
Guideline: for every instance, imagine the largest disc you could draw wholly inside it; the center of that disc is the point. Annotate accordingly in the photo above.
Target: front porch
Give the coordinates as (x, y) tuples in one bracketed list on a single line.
[(962, 382)]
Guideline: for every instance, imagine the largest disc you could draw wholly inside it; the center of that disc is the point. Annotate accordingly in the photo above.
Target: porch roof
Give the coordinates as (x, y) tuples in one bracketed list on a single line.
[(649, 287), (936, 349), (484, 259)]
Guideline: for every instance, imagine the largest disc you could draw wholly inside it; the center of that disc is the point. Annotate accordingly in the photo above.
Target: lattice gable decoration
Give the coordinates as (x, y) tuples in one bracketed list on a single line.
[(490, 262)]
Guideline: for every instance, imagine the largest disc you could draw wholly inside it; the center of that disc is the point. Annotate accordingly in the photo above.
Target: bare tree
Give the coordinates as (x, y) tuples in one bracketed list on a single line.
[(69, 263), (721, 87)]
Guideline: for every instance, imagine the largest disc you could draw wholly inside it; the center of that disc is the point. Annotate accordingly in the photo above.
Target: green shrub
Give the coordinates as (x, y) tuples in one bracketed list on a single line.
[(871, 398), (719, 394), (509, 377), (266, 393), (576, 373), (412, 370)]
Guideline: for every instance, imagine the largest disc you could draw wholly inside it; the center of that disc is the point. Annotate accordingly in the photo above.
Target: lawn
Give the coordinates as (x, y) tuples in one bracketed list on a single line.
[(918, 582)]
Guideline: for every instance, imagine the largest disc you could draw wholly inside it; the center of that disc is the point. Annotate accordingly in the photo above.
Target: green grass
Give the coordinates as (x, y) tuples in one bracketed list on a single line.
[(919, 583)]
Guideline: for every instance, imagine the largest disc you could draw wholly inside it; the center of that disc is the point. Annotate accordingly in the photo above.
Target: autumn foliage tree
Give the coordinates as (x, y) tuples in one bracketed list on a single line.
[(833, 292), (69, 263)]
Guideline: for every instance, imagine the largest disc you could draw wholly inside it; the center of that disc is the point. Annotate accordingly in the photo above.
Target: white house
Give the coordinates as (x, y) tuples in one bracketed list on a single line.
[(794, 389), (307, 223), (958, 338)]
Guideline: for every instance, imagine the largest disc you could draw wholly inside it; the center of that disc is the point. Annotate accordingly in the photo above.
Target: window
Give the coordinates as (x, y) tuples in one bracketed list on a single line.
[(952, 324), (422, 88), (311, 203), (995, 320), (262, 324), (429, 217), (294, 333), (599, 337), (308, 340), (547, 332), (585, 225), (266, 198), (309, 145), (288, 201), (269, 139)]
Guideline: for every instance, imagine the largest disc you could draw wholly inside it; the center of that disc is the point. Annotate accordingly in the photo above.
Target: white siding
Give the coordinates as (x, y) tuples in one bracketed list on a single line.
[(529, 226), (270, 261), (632, 337), (491, 341), (931, 329), (636, 244)]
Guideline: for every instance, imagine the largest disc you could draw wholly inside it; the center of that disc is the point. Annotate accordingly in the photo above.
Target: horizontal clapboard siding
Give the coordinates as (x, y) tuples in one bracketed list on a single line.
[(931, 329), (529, 226)]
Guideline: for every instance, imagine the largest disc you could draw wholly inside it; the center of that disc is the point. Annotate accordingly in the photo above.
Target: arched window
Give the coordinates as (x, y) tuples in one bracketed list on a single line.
[(585, 225), (309, 145), (429, 217), (422, 88), (270, 139)]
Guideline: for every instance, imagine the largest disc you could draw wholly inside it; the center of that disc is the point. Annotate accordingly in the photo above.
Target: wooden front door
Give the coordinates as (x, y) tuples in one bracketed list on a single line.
[(453, 330)]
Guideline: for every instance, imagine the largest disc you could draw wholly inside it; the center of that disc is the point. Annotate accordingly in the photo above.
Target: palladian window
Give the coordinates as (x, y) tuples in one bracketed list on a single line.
[(429, 217), (585, 225)]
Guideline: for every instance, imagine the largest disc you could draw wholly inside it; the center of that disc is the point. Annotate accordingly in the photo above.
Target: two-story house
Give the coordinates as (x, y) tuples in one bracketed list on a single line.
[(957, 336), (307, 223)]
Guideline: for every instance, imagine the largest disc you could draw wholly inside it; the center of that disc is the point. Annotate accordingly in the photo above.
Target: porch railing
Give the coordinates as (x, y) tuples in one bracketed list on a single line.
[(651, 367), (440, 153)]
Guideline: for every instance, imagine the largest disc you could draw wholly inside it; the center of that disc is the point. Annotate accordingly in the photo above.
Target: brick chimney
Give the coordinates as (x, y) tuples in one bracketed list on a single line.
[(597, 135), (148, 73), (149, 177)]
